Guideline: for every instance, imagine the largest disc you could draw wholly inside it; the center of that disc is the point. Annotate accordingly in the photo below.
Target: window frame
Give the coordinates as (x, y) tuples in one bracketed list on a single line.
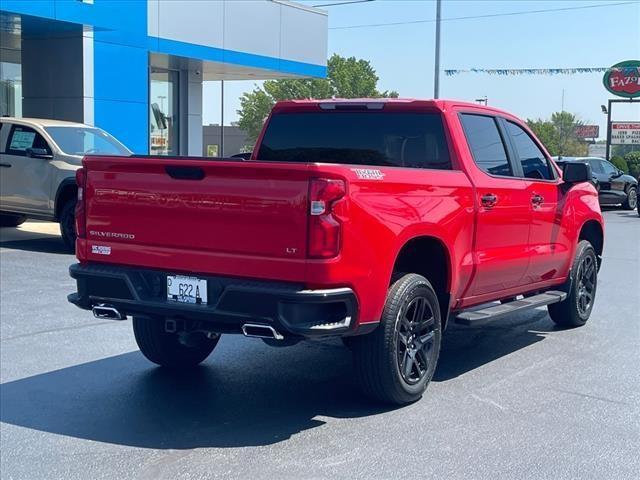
[(501, 132), (23, 153), (516, 156)]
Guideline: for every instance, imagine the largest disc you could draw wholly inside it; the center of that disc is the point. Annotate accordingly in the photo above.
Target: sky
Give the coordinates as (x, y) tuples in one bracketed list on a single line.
[(403, 55)]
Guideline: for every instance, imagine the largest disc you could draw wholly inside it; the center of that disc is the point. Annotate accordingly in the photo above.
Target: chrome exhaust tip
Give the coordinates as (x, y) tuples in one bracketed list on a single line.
[(109, 312), (257, 330)]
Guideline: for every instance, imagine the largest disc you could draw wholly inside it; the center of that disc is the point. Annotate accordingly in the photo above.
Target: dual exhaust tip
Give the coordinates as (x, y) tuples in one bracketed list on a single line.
[(255, 330), (107, 312)]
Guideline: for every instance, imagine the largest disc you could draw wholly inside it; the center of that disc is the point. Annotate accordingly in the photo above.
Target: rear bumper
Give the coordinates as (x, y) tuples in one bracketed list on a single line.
[(232, 302)]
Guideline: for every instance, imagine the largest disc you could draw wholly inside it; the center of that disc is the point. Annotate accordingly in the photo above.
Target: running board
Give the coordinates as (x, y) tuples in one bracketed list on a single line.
[(474, 317)]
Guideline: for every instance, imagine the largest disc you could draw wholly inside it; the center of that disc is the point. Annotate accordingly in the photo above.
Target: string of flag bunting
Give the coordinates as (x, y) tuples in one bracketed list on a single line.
[(534, 71)]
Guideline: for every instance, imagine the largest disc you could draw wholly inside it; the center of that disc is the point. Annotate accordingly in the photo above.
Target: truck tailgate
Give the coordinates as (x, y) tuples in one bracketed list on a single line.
[(197, 215)]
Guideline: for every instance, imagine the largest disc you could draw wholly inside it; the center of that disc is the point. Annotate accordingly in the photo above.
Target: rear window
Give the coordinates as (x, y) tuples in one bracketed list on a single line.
[(414, 140)]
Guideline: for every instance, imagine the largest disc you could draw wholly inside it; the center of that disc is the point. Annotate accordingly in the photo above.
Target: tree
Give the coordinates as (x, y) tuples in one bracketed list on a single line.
[(558, 134), (633, 161), (346, 78), (620, 163)]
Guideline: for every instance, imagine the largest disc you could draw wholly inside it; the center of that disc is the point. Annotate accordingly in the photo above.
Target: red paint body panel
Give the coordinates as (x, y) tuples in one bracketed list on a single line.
[(250, 219)]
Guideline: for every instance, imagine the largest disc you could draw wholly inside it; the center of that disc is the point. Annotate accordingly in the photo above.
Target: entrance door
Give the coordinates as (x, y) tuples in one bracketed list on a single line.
[(164, 115)]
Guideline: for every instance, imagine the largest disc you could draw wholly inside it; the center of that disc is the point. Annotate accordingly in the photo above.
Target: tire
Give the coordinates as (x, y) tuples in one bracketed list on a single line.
[(581, 288), (165, 349), (381, 357), (632, 199), (68, 225), (11, 220)]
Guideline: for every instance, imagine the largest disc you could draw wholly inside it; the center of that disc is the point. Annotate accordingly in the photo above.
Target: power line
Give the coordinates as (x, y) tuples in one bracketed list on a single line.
[(340, 3), (490, 15)]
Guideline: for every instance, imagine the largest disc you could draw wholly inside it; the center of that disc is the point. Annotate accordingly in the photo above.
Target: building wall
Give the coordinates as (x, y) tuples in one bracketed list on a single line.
[(98, 70), (52, 80), (234, 139), (272, 35)]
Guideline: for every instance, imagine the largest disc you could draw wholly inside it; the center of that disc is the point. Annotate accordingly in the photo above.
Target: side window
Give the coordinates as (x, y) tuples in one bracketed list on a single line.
[(608, 168), (486, 144), (534, 163), (21, 138), (596, 166)]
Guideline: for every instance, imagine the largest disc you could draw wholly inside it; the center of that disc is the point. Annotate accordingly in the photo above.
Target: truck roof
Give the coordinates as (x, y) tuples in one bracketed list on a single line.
[(379, 103), (42, 122)]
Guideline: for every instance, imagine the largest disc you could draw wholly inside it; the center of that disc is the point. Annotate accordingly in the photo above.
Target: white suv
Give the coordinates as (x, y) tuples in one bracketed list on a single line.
[(38, 161)]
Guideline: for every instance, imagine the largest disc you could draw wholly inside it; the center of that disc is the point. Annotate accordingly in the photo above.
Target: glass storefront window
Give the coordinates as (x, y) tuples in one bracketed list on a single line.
[(10, 89), (164, 128)]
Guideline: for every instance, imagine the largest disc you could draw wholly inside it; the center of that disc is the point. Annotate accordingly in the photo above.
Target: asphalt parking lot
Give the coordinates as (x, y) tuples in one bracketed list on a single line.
[(516, 399)]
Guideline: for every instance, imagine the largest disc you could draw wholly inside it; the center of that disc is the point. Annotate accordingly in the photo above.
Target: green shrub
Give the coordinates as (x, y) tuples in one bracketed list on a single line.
[(620, 163), (633, 161)]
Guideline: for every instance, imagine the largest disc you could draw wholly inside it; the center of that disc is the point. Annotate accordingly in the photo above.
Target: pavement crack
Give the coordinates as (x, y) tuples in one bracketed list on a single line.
[(489, 401), (593, 397)]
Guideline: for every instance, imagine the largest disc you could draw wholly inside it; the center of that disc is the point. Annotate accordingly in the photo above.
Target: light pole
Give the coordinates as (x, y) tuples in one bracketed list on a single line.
[(436, 73)]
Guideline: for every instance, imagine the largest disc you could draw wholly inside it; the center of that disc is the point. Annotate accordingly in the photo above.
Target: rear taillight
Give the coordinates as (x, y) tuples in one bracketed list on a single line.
[(324, 227), (81, 221)]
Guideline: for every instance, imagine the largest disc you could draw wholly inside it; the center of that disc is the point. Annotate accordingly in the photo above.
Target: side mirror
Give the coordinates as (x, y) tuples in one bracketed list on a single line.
[(39, 153), (576, 172)]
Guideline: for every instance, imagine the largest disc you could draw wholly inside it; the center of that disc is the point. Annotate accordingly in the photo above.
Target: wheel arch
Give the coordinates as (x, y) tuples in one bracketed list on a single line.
[(67, 190), (428, 256), (593, 232)]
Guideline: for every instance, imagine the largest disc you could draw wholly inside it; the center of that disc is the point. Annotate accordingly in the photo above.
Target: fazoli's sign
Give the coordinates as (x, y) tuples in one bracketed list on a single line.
[(623, 79)]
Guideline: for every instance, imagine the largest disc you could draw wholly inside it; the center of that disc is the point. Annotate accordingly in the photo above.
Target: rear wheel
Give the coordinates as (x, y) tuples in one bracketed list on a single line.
[(11, 220), (166, 348), (581, 287), (396, 362), (632, 199), (68, 224)]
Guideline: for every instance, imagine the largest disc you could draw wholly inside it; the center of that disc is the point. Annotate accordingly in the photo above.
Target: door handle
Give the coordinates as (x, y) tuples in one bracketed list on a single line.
[(5, 165), (489, 200), (537, 200)]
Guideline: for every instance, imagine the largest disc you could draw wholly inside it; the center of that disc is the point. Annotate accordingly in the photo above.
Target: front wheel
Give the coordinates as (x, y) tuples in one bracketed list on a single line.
[(165, 348), (396, 362), (632, 199), (581, 287)]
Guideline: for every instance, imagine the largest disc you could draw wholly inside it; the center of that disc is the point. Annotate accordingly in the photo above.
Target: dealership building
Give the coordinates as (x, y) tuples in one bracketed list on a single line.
[(136, 67)]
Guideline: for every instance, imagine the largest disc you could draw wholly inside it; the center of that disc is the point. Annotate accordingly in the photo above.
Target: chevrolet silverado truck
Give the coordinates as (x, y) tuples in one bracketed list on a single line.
[(379, 221)]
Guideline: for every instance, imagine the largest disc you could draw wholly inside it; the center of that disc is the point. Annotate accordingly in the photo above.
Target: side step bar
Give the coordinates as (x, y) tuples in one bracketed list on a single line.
[(475, 317)]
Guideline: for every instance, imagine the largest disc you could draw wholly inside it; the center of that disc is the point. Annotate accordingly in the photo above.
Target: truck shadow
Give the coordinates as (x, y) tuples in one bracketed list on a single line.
[(466, 348), (16, 239), (246, 394)]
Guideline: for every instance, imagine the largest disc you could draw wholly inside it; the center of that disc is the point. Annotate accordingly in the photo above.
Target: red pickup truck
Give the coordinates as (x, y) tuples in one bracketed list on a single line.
[(380, 221)]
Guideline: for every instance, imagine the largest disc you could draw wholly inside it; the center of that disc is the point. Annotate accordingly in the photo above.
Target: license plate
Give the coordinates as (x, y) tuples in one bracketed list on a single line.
[(186, 289)]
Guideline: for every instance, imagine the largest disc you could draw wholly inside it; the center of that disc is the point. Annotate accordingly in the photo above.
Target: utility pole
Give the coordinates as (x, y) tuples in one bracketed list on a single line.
[(561, 146), (221, 154), (436, 74)]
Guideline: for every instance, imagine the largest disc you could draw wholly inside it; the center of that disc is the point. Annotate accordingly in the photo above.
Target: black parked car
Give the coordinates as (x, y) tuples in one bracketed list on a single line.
[(614, 186)]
